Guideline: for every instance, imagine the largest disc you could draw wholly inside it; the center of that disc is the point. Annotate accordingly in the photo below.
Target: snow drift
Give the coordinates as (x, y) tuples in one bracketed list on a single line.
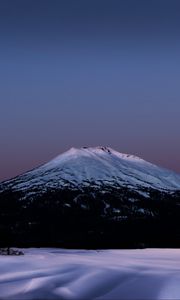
[(75, 274)]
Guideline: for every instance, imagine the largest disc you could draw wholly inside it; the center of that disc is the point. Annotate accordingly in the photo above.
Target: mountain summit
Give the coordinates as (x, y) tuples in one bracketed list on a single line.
[(92, 197), (96, 166)]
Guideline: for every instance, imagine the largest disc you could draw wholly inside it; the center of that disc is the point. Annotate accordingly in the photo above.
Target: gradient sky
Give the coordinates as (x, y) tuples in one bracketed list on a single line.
[(87, 73)]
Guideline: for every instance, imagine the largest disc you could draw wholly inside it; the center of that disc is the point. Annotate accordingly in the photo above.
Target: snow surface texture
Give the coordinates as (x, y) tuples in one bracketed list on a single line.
[(96, 167), (82, 274)]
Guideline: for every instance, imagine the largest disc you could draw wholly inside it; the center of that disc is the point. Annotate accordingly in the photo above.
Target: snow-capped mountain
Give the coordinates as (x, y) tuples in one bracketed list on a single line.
[(91, 197), (96, 166)]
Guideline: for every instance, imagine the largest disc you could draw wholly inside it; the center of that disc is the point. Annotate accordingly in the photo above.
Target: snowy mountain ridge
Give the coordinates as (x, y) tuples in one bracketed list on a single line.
[(92, 198), (96, 166)]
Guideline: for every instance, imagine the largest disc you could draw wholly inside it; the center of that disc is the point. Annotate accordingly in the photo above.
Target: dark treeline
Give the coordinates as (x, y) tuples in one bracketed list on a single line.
[(117, 218)]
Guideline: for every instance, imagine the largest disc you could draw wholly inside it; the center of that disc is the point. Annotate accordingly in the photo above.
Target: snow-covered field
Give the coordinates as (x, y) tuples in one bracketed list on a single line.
[(80, 274)]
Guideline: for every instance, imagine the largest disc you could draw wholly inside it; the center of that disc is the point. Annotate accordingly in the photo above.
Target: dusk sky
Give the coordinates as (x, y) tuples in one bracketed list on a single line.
[(88, 73)]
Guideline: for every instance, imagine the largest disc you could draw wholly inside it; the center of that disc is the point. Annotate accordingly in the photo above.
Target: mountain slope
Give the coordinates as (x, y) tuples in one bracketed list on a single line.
[(92, 197), (96, 166)]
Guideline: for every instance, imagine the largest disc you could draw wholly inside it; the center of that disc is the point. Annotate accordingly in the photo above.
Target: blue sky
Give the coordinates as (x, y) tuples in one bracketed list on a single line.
[(87, 73)]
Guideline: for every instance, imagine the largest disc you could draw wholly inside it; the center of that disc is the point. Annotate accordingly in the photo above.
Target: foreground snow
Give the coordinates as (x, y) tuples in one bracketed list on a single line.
[(80, 274)]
